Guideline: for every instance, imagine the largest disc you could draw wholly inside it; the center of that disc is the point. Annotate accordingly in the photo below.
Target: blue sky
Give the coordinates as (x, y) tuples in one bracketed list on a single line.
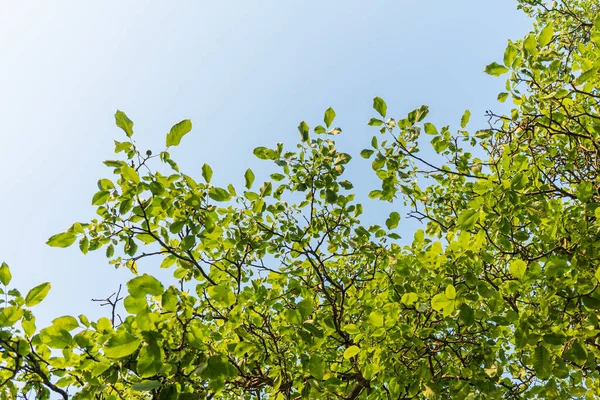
[(245, 72)]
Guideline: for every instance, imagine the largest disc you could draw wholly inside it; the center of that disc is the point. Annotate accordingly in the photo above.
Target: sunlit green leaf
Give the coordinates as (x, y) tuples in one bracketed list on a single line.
[(351, 352), (329, 116), (380, 106), (121, 345), (178, 131), (495, 69), (144, 285), (5, 275), (62, 239), (124, 123), (37, 294), (207, 172)]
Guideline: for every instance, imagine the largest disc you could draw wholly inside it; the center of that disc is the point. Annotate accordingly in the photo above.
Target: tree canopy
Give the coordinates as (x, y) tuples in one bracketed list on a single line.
[(283, 294)]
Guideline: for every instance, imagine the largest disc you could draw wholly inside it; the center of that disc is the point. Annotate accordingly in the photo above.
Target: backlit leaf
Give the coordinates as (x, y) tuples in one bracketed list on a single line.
[(124, 123), (62, 239), (495, 69), (121, 345), (178, 131), (37, 294)]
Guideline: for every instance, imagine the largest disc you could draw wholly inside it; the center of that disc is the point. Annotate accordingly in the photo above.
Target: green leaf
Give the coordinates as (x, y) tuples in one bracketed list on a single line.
[(222, 294), (146, 386), (430, 129), (156, 188), (542, 363), (517, 269), (320, 129), (408, 299), (304, 131), (577, 353), (207, 172), (467, 315), (121, 345), (440, 302), (143, 285), (530, 44), (376, 318), (366, 153), (130, 174), (351, 352), (375, 122), (178, 131), (305, 307), (380, 106), (266, 189), (584, 191), (495, 69), (393, 220), (329, 116), (55, 337), (219, 194), (29, 325), (546, 35), (465, 119), (586, 76), (62, 239), (249, 178), (105, 184), (556, 339), (591, 302), (188, 242), (100, 198), (10, 315), (316, 366), (467, 219), (5, 275), (37, 294), (135, 305), (150, 360), (418, 115), (177, 226), (510, 54), (264, 153), (66, 322), (450, 292), (124, 123), (502, 97)]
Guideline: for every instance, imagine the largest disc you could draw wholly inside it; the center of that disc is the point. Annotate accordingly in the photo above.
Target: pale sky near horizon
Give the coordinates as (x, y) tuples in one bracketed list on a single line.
[(245, 72)]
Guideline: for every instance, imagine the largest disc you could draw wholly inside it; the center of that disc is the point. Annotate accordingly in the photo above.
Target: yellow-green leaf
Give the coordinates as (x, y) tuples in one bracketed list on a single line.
[(5, 275), (329, 116), (178, 131), (465, 119), (380, 106), (546, 35), (124, 123), (495, 69), (376, 318), (351, 352), (450, 292), (62, 239), (517, 268), (408, 299), (37, 294), (130, 174), (120, 345), (143, 285)]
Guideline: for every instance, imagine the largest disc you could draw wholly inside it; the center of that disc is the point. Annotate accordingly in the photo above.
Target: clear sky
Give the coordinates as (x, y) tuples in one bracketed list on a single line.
[(245, 72)]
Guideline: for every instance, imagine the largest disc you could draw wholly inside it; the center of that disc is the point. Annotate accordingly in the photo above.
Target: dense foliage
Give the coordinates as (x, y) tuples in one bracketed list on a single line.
[(284, 294)]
